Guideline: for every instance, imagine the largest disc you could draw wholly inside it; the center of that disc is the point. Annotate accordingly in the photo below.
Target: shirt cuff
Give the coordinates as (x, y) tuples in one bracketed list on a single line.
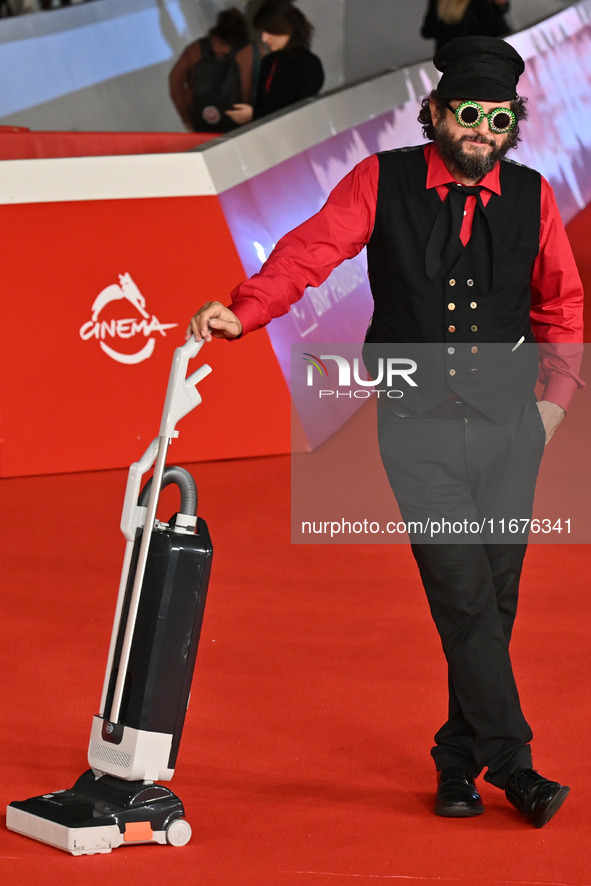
[(560, 389), (248, 312)]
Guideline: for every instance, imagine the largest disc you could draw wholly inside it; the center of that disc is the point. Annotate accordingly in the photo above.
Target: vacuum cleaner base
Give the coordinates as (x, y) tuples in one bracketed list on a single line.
[(100, 813)]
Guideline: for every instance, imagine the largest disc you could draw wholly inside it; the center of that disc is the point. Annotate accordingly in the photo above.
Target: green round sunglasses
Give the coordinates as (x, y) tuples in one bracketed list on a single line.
[(470, 114)]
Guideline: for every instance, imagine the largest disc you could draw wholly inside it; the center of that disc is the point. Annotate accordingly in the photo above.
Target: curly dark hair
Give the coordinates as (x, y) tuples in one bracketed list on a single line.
[(518, 106)]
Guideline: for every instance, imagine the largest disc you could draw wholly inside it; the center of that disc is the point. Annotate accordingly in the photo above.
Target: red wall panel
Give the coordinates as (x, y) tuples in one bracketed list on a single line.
[(67, 405)]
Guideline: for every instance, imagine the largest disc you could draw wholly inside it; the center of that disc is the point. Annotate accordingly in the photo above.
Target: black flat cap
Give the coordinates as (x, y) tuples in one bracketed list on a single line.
[(478, 68)]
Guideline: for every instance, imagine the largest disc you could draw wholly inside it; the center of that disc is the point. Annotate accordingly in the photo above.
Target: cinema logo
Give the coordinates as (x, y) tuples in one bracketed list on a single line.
[(111, 332), (390, 371)]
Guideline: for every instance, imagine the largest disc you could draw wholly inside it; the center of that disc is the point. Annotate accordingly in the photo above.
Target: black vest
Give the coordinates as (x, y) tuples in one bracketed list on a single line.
[(471, 329)]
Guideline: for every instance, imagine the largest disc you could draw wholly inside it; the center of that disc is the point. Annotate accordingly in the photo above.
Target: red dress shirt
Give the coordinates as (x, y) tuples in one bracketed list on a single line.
[(306, 256)]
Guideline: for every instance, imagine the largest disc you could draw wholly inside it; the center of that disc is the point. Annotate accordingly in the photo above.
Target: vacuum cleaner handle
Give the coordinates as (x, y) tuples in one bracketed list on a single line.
[(182, 395), (181, 398)]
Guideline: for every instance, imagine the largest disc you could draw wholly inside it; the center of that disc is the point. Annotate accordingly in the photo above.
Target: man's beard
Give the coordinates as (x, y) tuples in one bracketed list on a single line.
[(470, 164)]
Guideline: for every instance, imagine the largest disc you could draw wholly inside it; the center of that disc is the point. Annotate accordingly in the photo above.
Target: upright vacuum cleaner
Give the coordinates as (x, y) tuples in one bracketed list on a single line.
[(135, 738)]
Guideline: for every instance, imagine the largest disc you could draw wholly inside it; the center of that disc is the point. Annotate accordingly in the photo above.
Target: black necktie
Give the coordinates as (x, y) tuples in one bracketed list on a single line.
[(444, 246)]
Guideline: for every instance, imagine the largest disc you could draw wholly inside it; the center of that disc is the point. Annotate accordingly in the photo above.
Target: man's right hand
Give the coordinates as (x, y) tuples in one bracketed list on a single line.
[(214, 320)]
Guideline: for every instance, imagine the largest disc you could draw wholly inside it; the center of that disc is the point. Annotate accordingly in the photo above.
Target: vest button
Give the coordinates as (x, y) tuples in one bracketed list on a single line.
[(473, 371), (452, 282), (451, 328), (474, 328), (474, 350), (470, 282), (452, 372), (451, 306), (451, 350), (473, 304)]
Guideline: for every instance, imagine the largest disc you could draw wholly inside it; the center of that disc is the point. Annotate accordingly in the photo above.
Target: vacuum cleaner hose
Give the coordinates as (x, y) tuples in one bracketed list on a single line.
[(185, 482)]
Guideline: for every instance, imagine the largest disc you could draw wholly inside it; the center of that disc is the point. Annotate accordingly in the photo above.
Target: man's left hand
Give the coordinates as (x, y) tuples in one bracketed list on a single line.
[(551, 415)]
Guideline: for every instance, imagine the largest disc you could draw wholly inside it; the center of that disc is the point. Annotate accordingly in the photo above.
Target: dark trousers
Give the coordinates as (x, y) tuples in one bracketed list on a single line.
[(473, 477)]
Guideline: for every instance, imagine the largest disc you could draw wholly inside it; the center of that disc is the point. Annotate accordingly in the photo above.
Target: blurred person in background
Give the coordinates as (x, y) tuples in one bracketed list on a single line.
[(228, 37), (290, 72), (447, 19)]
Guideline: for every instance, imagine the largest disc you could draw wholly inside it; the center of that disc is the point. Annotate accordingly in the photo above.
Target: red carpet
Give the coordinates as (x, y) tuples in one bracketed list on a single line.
[(319, 684)]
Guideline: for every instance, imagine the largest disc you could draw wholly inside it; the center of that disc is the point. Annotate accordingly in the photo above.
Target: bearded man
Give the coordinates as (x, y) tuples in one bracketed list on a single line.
[(466, 251)]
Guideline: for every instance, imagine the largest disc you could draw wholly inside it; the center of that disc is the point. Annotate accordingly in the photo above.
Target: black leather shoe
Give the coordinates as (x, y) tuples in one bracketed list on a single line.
[(457, 796), (534, 796)]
